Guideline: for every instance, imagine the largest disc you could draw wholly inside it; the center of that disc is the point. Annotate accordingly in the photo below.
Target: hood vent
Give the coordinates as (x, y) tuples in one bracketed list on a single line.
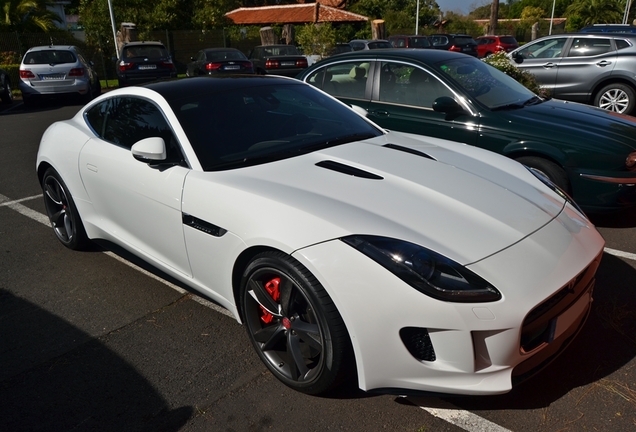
[(408, 150), (347, 169)]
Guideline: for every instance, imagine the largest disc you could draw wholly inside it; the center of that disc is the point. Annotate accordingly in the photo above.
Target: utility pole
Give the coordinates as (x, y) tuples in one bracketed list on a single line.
[(494, 16)]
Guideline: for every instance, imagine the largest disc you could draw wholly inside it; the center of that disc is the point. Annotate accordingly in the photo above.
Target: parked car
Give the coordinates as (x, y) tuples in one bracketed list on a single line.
[(283, 60), (415, 263), (409, 41), (596, 69), (212, 61), (588, 152), (462, 43), (609, 28), (341, 47), (369, 44), (487, 45), (5, 87), (144, 61), (54, 71)]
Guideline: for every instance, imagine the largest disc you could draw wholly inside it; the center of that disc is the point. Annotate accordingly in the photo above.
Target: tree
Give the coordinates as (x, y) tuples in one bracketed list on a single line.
[(28, 16), (316, 38), (596, 11)]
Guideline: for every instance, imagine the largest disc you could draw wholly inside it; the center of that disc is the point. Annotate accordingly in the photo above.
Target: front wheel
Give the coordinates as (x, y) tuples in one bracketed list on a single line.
[(293, 324), (554, 172), (619, 98), (62, 212)]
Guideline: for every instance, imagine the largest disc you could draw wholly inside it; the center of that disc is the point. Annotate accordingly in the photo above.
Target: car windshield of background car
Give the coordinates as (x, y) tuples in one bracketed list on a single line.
[(51, 57), (488, 85), (152, 52), (284, 121)]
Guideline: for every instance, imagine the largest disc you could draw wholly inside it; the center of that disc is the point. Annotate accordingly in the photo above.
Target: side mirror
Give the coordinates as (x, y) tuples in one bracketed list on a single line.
[(448, 106), (517, 57), (150, 150)]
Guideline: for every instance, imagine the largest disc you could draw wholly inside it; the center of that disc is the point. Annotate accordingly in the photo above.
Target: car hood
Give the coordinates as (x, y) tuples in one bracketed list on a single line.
[(584, 125), (458, 200)]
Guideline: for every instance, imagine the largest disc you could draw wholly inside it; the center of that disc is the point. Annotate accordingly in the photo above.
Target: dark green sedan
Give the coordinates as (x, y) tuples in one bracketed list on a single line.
[(590, 153)]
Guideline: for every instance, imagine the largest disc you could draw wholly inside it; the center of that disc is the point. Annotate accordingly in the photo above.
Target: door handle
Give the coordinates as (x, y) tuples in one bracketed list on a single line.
[(380, 113), (549, 65), (604, 63)]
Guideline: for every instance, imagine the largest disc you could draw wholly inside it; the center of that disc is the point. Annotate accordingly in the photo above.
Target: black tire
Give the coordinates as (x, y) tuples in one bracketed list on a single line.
[(303, 341), (618, 98), (62, 212), (551, 170), (7, 94)]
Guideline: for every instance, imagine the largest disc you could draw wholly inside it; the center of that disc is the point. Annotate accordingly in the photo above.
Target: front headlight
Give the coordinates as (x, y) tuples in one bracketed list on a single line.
[(425, 270), (546, 181)]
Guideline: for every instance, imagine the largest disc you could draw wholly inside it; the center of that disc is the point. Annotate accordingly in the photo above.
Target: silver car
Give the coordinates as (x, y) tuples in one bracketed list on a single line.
[(592, 68), (51, 71)]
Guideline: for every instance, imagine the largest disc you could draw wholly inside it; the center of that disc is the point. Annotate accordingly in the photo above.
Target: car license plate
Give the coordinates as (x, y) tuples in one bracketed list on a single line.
[(567, 318), (50, 77), (288, 63), (466, 49), (147, 67), (232, 67)]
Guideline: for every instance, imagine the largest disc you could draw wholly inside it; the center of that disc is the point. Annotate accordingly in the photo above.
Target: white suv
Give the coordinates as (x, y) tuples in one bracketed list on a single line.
[(54, 70)]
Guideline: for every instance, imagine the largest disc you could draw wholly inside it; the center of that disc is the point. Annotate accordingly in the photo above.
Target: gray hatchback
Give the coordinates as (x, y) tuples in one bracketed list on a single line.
[(592, 68), (55, 70)]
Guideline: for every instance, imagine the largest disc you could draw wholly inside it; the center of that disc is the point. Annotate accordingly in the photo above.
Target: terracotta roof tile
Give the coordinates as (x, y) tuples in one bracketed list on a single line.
[(291, 14)]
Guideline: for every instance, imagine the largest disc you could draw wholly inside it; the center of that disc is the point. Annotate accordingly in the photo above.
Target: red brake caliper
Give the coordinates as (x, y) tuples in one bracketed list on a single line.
[(272, 289)]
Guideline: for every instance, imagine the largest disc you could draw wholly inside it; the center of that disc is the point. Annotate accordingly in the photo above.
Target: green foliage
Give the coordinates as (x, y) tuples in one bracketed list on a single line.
[(596, 11), (460, 24), (399, 15), (532, 15), (27, 16), (501, 61), (316, 38)]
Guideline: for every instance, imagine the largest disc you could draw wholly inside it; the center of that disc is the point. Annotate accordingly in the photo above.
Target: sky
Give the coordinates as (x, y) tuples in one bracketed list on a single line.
[(463, 6)]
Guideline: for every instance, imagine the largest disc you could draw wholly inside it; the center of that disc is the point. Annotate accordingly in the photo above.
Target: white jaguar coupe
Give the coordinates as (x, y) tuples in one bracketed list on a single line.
[(409, 263)]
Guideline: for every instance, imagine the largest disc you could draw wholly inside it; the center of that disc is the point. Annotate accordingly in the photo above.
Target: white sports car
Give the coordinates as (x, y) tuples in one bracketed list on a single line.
[(411, 263)]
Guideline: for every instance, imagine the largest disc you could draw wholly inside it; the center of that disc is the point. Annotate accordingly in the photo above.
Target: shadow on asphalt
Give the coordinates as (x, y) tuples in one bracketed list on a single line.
[(606, 343), (57, 378)]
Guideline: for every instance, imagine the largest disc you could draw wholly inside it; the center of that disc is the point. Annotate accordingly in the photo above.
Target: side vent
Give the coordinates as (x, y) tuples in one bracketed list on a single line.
[(408, 150), (349, 170), (201, 225)]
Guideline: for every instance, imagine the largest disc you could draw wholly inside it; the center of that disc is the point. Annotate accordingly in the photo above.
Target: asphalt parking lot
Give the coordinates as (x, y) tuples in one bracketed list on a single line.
[(100, 341)]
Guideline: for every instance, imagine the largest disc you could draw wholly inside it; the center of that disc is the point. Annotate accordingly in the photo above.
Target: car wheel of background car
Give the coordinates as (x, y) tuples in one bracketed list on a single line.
[(62, 212), (619, 98), (554, 172), (7, 94), (293, 324)]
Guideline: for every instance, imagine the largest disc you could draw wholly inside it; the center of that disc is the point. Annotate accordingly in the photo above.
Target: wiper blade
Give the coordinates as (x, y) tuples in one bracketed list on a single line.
[(534, 100), (508, 107)]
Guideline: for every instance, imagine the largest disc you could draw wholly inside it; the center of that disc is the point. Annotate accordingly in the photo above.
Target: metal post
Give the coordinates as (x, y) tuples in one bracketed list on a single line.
[(552, 17), (112, 22), (417, 18)]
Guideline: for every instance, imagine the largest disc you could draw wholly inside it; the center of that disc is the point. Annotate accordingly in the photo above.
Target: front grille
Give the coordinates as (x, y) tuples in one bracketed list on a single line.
[(418, 342), (539, 323)]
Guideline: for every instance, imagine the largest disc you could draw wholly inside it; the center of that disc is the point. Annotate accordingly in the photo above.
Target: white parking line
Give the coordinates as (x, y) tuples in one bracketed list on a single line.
[(445, 411)]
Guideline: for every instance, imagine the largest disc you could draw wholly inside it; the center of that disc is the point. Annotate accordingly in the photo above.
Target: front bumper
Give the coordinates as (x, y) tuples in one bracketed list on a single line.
[(598, 192), (478, 347)]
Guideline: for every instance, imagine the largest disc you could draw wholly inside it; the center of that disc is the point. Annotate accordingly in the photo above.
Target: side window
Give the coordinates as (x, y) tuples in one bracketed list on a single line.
[(201, 56), (343, 79), (621, 43), (589, 47), (545, 49), (409, 85), (126, 120)]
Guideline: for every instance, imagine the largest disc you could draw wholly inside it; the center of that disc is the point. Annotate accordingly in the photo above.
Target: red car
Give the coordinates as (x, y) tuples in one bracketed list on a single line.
[(487, 45)]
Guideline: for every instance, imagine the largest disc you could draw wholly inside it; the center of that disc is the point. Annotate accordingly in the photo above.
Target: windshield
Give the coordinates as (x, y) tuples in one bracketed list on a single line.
[(247, 126), (154, 52), (484, 83)]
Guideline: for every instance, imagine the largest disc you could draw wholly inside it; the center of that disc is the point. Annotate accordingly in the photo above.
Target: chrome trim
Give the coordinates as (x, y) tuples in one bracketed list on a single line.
[(624, 180)]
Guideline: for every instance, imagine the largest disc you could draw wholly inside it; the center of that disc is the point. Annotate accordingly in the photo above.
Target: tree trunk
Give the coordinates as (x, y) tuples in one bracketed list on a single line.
[(377, 29), (494, 17), (289, 34), (268, 36)]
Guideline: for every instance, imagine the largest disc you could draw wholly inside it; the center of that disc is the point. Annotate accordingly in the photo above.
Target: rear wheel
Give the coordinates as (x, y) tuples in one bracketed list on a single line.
[(619, 98), (554, 172), (7, 94), (62, 212), (293, 324)]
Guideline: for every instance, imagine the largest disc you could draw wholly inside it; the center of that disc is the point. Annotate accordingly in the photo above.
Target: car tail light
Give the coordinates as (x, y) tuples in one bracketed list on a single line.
[(301, 63), (272, 64), (76, 72), (26, 74), (455, 48), (246, 65), (124, 66), (212, 66), (168, 64)]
